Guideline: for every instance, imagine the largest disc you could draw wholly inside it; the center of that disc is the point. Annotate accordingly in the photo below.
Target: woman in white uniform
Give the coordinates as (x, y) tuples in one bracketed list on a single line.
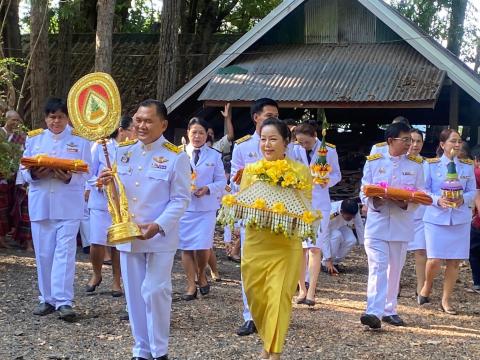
[(447, 228), (418, 245), (197, 225), (306, 152), (100, 219)]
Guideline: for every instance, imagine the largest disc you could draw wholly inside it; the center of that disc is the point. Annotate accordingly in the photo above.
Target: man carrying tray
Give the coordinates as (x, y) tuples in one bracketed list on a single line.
[(56, 208), (389, 225)]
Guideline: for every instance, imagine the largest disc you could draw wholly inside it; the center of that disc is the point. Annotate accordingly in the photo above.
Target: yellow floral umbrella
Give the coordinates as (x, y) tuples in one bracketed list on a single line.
[(274, 200)]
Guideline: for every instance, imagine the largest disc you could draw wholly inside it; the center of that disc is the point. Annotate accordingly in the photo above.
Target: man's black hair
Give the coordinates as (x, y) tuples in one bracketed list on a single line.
[(160, 107), (349, 206), (258, 105), (401, 119), (54, 104), (394, 130)]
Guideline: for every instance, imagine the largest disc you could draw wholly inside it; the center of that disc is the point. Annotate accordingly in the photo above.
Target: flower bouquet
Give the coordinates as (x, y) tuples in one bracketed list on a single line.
[(274, 201), (320, 168), (75, 165), (383, 190), (452, 188)]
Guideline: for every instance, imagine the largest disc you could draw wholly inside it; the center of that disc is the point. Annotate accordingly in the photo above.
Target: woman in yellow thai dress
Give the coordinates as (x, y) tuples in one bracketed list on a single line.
[(271, 262)]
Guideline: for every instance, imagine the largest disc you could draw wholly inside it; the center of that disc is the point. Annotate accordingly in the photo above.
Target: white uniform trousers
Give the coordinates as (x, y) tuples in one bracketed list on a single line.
[(341, 241), (85, 227), (247, 316), (55, 243), (385, 263), (147, 278)]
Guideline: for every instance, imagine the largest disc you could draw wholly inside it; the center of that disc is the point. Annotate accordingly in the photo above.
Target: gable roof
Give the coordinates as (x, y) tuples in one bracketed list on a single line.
[(412, 34)]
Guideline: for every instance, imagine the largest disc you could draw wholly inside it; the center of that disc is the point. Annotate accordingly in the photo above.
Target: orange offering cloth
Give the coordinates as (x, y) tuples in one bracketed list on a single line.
[(389, 192), (75, 165)]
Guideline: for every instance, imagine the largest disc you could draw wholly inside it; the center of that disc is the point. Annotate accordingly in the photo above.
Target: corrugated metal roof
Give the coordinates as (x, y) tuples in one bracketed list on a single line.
[(359, 73)]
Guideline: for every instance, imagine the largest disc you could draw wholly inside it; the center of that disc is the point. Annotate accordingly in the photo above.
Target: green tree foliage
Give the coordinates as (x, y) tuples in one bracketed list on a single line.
[(247, 13), (430, 15)]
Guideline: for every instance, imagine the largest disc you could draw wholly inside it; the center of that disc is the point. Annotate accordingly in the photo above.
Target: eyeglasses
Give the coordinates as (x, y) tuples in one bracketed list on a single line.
[(406, 140)]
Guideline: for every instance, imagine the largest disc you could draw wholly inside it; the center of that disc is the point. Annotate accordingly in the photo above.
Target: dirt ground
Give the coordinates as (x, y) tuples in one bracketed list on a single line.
[(205, 328)]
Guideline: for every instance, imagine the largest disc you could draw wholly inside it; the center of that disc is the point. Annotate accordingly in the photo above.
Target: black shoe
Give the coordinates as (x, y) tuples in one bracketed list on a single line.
[(86, 250), (43, 309), (247, 328), (309, 302), (66, 313), (371, 321), (422, 300), (190, 297), (394, 320), (138, 358), (164, 357), (92, 288), (124, 317), (204, 290), (300, 300), (117, 293)]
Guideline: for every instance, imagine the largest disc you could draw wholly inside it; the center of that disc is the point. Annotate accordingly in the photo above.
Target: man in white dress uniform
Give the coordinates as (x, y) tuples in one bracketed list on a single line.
[(343, 215), (156, 176), (389, 225), (246, 151), (56, 207)]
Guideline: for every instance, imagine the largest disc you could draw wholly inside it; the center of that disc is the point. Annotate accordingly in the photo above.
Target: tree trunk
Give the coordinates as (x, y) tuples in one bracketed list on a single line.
[(121, 14), (103, 47), (39, 60), (168, 53), (456, 28), (64, 47), (88, 10), (11, 32)]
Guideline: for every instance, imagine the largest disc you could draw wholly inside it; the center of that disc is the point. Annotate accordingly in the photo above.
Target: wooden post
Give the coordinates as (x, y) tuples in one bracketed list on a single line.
[(453, 111)]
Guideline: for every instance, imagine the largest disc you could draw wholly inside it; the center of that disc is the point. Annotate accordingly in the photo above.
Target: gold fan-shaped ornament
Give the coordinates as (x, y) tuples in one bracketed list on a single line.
[(95, 108)]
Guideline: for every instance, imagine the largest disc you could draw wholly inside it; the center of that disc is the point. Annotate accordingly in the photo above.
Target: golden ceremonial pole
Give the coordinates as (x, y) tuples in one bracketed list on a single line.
[(94, 107)]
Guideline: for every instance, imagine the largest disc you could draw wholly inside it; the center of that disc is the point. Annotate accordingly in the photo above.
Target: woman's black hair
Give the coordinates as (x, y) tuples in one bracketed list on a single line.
[(198, 121), (419, 132), (443, 137), (281, 127), (125, 123)]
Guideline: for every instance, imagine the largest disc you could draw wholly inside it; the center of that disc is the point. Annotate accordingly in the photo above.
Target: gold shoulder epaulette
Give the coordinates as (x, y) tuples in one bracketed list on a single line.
[(417, 159), (296, 142), (171, 147), (381, 144), (182, 147), (433, 160), (35, 132), (127, 142), (330, 145), (466, 161), (334, 215), (374, 157), (243, 139)]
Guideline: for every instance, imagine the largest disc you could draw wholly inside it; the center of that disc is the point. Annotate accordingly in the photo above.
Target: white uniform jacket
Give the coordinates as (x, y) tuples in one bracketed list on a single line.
[(97, 199), (320, 196), (337, 221), (435, 175), (389, 222), (209, 172), (157, 183), (245, 151), (50, 198)]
